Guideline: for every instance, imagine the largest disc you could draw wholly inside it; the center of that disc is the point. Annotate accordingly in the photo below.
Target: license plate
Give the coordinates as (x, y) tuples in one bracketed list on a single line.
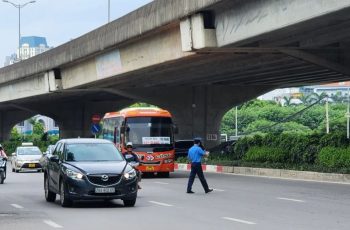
[(31, 165), (149, 168), (104, 190)]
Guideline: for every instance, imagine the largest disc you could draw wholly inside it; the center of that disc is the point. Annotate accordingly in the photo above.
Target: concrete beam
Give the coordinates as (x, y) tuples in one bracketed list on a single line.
[(159, 48), (248, 19), (27, 87), (131, 27)]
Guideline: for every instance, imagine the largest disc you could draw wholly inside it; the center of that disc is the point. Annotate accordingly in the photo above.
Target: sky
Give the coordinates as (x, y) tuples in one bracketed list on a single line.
[(57, 20)]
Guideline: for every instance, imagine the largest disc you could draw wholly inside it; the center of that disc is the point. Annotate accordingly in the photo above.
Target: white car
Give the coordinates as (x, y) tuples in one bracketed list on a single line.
[(26, 157)]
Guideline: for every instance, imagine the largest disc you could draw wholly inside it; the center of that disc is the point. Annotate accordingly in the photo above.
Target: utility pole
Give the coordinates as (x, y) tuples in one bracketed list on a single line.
[(347, 117), (19, 7), (327, 116), (236, 122), (109, 11)]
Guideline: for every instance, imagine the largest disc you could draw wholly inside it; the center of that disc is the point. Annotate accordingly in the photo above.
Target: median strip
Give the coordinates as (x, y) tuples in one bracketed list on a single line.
[(238, 220), (162, 204)]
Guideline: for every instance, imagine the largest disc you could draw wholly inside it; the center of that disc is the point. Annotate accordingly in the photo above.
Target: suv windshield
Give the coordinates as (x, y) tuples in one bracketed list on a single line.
[(92, 152), (28, 151)]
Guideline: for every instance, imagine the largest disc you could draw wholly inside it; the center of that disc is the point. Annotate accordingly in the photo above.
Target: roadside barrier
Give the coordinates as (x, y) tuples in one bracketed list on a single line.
[(272, 173)]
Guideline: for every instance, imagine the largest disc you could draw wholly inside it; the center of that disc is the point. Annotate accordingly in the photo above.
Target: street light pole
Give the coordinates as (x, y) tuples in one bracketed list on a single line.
[(19, 7), (109, 11), (348, 116)]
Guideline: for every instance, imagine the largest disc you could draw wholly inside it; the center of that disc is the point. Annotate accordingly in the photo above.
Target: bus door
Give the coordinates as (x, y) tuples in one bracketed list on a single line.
[(116, 138)]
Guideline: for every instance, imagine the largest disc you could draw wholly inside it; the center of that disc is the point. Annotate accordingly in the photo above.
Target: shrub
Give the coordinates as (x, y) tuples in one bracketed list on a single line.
[(334, 158), (265, 154), (336, 139)]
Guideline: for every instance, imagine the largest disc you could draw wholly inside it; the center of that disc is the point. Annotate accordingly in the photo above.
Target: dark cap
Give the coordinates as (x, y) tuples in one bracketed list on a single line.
[(197, 140)]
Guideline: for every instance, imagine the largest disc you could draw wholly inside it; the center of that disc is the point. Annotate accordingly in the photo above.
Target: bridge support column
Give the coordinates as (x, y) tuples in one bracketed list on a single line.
[(9, 119), (74, 120), (198, 111)]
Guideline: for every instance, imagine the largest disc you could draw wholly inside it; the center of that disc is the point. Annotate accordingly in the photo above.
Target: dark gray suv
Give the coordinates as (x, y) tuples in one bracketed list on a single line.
[(89, 169)]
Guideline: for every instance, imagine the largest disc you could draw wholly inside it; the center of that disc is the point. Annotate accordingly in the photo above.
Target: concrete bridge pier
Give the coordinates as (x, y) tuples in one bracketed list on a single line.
[(8, 119), (74, 119), (198, 110)]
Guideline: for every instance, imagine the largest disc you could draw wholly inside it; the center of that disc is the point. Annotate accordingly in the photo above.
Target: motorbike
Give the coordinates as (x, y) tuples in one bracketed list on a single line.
[(3, 162)]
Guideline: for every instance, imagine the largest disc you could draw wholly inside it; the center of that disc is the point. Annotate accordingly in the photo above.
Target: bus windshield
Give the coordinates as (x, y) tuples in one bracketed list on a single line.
[(149, 131)]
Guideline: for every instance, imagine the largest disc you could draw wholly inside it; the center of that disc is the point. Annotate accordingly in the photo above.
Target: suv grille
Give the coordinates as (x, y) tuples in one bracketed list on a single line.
[(97, 179)]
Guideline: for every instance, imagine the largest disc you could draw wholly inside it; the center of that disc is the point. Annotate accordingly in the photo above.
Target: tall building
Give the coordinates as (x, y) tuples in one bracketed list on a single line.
[(29, 47)]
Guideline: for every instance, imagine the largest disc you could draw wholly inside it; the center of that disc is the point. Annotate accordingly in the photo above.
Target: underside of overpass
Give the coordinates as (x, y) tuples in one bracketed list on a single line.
[(197, 83)]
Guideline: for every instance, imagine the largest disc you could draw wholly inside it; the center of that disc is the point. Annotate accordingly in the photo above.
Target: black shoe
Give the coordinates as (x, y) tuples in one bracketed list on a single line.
[(209, 190), (190, 192)]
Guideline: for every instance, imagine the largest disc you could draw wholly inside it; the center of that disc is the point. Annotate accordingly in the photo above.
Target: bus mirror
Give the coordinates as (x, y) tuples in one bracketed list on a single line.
[(176, 129)]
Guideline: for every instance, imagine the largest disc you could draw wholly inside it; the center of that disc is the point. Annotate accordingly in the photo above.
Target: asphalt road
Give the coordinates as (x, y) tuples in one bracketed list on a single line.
[(238, 202)]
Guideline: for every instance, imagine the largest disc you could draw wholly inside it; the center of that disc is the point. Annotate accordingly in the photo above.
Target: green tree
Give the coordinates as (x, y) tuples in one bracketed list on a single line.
[(15, 135), (38, 129), (305, 99), (141, 104), (288, 101)]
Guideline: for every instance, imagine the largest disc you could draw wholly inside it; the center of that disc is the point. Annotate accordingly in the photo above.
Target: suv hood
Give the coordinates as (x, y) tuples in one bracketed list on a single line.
[(105, 167)]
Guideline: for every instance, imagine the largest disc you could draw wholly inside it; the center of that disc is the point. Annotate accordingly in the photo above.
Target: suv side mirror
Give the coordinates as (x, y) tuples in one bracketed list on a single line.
[(54, 159), (13, 154)]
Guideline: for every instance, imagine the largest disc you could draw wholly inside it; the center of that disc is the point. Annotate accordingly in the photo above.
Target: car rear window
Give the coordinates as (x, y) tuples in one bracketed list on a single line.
[(92, 152), (28, 151)]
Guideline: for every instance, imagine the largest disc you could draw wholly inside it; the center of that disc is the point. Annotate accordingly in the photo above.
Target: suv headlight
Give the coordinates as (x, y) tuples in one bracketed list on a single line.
[(73, 174), (130, 175)]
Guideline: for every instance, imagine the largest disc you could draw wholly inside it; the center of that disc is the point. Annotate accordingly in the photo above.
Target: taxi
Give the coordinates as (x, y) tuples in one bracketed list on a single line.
[(26, 157)]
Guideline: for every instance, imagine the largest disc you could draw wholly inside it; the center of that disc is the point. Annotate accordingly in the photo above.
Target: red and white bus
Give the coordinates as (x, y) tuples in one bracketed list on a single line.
[(151, 131)]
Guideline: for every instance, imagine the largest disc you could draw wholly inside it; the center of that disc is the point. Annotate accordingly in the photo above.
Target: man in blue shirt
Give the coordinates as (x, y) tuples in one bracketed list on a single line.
[(195, 154)]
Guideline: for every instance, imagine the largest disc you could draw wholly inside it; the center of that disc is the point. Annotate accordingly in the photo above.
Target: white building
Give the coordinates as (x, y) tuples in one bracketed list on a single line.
[(29, 47), (49, 125), (278, 94)]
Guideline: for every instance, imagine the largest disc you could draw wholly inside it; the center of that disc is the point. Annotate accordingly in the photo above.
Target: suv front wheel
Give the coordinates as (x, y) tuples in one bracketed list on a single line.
[(129, 203), (64, 198), (49, 196)]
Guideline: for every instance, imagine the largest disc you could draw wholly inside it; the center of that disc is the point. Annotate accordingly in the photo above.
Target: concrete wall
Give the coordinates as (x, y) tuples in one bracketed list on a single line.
[(249, 19), (159, 48), (131, 27)]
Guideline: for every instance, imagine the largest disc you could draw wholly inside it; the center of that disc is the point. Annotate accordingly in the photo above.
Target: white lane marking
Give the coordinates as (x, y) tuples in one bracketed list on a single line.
[(162, 204), (219, 190), (288, 199), (158, 182), (52, 224), (17, 206), (238, 220)]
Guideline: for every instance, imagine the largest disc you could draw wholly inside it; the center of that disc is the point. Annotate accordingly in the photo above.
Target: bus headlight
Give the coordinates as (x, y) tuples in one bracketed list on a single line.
[(167, 161), (130, 175)]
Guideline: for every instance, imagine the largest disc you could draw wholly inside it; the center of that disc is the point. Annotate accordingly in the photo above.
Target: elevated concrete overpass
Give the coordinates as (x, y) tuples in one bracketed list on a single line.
[(196, 58)]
